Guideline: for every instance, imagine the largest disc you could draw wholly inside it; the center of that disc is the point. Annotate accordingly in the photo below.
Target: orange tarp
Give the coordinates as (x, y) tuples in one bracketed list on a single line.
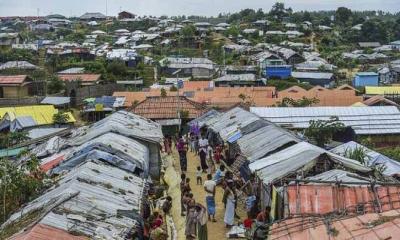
[(324, 199), (44, 232)]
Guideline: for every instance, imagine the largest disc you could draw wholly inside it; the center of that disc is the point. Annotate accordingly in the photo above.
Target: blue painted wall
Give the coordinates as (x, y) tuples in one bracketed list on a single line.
[(279, 71), (366, 79)]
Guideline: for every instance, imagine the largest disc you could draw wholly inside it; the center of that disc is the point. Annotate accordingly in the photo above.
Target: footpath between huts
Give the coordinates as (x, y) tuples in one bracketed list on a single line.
[(216, 230)]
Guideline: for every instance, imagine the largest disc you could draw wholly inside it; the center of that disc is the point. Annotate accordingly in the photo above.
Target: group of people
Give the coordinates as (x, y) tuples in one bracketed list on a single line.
[(154, 223), (196, 214)]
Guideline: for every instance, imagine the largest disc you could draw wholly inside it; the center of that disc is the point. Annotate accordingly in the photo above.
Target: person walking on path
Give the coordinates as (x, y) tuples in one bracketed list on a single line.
[(219, 174), (167, 145), (202, 233), (203, 150), (209, 187), (230, 204), (191, 218), (182, 150)]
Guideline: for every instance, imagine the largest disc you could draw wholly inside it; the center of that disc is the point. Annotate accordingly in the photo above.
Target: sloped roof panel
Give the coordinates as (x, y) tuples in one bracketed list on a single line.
[(374, 158), (124, 152), (124, 123), (293, 158), (259, 143), (234, 117), (364, 120), (87, 200)]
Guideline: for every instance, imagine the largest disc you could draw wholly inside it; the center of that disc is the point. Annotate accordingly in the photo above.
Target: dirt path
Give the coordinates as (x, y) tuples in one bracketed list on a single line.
[(216, 230)]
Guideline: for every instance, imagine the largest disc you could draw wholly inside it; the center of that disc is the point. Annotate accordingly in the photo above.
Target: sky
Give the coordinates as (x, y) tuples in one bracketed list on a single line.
[(178, 7)]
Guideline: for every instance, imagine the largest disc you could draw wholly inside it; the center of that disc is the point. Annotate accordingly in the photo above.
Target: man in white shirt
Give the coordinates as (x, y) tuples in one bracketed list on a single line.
[(209, 187)]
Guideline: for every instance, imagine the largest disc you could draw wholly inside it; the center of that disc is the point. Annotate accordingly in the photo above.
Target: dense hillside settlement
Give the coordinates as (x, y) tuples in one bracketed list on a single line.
[(259, 124)]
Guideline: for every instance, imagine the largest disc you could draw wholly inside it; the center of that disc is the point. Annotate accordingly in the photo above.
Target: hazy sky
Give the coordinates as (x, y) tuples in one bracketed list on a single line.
[(179, 7)]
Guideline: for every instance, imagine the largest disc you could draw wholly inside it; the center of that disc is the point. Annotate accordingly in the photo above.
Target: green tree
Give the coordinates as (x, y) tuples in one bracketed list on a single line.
[(188, 31), (374, 30), (233, 31), (18, 185), (60, 118), (343, 15), (55, 85), (278, 11), (322, 131), (117, 68), (13, 138)]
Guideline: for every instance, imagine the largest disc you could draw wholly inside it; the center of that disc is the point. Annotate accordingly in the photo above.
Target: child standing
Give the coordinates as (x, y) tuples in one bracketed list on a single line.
[(198, 176)]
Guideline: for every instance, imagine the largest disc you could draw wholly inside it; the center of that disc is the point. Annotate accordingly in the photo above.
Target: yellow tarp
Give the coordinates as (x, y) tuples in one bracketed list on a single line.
[(42, 114), (370, 90), (359, 104), (274, 202)]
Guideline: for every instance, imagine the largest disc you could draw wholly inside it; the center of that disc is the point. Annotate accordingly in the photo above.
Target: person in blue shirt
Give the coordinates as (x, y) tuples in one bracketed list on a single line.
[(219, 174)]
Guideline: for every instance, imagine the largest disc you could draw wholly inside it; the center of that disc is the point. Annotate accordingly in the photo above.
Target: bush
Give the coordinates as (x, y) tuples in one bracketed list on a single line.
[(117, 68), (55, 85), (60, 118)]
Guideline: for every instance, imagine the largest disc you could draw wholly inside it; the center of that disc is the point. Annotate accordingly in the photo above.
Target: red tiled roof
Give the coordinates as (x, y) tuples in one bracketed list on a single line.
[(326, 97), (166, 107), (13, 80), (44, 232), (379, 100), (226, 97), (82, 77)]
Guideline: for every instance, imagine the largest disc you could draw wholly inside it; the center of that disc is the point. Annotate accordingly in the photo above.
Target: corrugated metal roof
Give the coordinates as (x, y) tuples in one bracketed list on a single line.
[(18, 65), (95, 15), (201, 121), (187, 63), (248, 77), (363, 120), (126, 149), (339, 175), (392, 167), (312, 75), (41, 114), (56, 100), (236, 117), (11, 152), (259, 143), (76, 70), (41, 132), (299, 156), (123, 123), (87, 201)]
